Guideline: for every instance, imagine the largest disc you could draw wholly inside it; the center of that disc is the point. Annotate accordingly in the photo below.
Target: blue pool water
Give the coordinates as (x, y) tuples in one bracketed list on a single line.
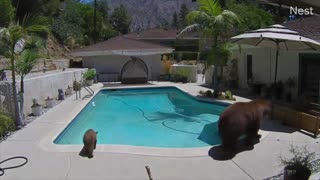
[(152, 117)]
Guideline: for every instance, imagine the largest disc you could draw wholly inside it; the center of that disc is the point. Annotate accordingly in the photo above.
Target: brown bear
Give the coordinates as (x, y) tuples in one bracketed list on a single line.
[(242, 118), (89, 141)]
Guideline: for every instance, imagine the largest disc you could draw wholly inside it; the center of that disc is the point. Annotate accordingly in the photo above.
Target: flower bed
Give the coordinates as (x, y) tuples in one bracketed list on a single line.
[(298, 118)]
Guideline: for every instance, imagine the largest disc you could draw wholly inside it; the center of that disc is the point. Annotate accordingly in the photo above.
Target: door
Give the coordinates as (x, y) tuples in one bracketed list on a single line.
[(310, 76)]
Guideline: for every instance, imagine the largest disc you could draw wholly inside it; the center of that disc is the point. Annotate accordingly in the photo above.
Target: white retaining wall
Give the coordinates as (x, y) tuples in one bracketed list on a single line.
[(41, 87)]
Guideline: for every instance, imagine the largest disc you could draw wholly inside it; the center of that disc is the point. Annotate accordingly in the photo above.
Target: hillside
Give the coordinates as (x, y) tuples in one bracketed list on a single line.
[(151, 13)]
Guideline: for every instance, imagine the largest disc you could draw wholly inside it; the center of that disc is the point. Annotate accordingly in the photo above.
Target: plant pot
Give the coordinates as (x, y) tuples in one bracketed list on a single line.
[(68, 91), (50, 103), (89, 82), (36, 111), (296, 172)]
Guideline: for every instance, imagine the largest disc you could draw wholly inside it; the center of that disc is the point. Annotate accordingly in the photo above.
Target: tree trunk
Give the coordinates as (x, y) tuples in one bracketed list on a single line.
[(221, 73), (18, 121), (215, 73), (22, 99)]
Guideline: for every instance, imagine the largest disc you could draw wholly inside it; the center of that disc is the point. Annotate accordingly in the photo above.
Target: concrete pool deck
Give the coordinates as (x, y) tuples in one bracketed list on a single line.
[(44, 163)]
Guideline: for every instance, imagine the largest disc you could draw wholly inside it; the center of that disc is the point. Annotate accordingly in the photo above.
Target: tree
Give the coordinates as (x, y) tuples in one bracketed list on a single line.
[(14, 34), (69, 23), (120, 20), (175, 22), (182, 15), (40, 7), (7, 12), (219, 57), (26, 60), (214, 25), (251, 16), (103, 8)]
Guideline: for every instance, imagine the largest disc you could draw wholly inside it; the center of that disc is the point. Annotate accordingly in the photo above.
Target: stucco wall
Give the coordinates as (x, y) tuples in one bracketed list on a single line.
[(263, 65), (43, 86), (114, 64)]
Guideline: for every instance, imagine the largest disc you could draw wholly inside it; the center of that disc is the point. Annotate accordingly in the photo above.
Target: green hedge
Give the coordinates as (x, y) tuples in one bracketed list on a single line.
[(6, 124)]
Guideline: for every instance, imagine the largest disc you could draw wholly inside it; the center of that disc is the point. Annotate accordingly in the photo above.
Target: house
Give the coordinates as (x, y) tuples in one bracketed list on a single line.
[(110, 57), (258, 64)]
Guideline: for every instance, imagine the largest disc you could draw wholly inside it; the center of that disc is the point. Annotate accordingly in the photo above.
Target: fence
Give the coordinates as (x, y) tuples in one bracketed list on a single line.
[(6, 104)]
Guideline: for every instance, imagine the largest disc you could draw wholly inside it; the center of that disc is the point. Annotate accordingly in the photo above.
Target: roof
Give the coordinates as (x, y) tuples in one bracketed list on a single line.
[(154, 34), (308, 27), (122, 45)]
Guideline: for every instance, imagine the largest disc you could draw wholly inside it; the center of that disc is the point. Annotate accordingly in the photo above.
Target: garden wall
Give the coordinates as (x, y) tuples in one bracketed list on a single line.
[(41, 86)]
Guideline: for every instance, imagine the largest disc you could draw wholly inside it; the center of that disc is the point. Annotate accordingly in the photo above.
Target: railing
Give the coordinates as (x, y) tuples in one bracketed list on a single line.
[(89, 90)]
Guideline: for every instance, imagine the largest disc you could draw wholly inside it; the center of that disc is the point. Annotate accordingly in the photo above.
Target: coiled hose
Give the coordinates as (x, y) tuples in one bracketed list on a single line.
[(12, 167)]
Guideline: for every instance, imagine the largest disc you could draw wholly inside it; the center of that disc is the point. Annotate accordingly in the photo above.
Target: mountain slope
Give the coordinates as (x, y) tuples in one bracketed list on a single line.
[(150, 13)]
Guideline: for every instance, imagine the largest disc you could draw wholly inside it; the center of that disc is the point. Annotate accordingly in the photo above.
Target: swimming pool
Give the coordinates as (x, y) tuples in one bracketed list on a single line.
[(151, 117)]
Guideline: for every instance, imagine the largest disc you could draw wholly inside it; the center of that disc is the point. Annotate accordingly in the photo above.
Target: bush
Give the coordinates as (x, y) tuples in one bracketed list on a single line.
[(208, 93), (7, 12), (226, 96), (183, 72), (90, 74), (301, 160), (6, 124)]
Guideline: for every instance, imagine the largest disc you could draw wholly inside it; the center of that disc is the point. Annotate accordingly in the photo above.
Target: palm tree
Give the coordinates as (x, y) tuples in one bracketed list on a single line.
[(214, 25), (219, 57), (14, 37), (26, 61)]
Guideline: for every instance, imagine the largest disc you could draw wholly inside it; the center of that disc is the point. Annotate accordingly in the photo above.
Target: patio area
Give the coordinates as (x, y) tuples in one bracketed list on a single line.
[(44, 163)]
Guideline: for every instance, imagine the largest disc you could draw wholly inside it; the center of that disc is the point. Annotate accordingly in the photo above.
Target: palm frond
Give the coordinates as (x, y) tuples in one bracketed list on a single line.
[(231, 16), (190, 28), (35, 24), (26, 61), (211, 7), (192, 16)]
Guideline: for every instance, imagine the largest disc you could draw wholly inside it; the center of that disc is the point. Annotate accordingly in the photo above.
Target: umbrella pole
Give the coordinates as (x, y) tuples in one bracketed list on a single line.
[(277, 57)]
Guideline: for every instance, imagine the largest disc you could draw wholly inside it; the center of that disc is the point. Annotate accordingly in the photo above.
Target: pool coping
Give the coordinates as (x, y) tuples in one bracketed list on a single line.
[(47, 142)]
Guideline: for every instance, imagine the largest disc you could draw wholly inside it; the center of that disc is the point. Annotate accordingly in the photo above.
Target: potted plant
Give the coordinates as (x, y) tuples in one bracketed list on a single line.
[(68, 91), (299, 166), (89, 76), (250, 83), (36, 108), (265, 91), (277, 90), (49, 102), (290, 84)]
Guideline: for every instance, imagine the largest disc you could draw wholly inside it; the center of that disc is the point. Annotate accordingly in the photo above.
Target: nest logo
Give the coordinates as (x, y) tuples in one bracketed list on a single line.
[(301, 11)]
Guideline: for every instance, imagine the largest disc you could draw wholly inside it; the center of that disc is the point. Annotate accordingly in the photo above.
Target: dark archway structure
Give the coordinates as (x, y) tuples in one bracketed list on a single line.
[(135, 71)]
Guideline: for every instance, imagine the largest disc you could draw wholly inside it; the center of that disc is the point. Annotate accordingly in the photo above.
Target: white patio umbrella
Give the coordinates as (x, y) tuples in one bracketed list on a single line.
[(279, 37)]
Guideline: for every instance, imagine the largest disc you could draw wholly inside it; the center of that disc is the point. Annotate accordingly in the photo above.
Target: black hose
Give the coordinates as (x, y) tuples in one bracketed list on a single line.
[(12, 167)]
